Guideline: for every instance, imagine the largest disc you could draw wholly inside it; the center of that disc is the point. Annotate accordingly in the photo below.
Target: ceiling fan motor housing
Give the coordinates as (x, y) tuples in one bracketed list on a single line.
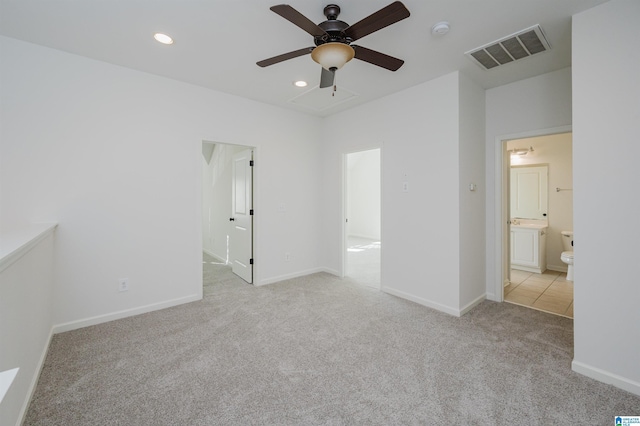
[(333, 27)]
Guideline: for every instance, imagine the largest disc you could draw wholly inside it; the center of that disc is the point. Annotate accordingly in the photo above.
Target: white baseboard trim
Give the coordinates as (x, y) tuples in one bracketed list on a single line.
[(557, 268), (366, 237), (34, 379), (330, 271), (73, 325), (215, 256), (295, 275), (428, 303), (469, 306), (606, 377), (527, 269)]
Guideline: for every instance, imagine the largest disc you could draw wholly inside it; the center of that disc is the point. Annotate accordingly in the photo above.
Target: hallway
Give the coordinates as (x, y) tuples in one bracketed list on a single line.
[(363, 261)]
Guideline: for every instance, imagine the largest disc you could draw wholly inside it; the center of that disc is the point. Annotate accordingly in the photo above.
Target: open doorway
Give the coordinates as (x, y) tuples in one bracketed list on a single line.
[(362, 217), (227, 207), (537, 188)]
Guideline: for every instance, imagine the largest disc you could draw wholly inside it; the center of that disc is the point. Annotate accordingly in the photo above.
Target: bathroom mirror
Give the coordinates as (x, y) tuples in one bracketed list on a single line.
[(529, 191)]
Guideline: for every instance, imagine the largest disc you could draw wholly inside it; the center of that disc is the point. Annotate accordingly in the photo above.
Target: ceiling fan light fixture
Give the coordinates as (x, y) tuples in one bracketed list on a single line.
[(333, 55)]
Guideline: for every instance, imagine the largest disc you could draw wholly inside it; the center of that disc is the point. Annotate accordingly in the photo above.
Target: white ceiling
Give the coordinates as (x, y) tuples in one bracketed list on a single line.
[(218, 42)]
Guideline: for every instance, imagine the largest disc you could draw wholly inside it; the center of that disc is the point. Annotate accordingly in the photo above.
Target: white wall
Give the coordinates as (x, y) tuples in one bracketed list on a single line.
[(114, 156), (556, 151), (532, 105), (472, 203), (605, 163), (420, 228), (216, 199), (363, 189), (26, 319)]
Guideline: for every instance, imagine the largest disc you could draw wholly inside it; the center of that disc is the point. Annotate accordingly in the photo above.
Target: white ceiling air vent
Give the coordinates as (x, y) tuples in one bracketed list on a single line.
[(517, 46)]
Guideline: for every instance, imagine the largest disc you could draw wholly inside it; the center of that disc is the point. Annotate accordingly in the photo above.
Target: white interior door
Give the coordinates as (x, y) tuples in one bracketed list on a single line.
[(241, 238)]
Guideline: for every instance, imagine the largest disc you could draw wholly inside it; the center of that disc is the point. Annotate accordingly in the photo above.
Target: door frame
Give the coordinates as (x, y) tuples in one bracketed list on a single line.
[(502, 262), (256, 206), (344, 183)]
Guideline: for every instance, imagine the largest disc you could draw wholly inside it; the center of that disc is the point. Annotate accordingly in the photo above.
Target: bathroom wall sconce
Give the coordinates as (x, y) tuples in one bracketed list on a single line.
[(520, 151)]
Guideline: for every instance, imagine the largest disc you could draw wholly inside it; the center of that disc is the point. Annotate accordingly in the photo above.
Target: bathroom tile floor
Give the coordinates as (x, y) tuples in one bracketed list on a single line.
[(549, 291)]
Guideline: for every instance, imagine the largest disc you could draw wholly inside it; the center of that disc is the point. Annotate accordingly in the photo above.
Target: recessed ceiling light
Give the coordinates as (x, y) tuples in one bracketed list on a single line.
[(300, 83), (163, 38)]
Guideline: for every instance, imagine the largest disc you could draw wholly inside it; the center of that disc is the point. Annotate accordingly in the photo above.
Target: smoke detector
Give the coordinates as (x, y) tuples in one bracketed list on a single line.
[(514, 47), (440, 29)]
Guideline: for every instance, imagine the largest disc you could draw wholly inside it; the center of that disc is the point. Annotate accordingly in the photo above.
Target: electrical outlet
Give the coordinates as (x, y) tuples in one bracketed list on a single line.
[(287, 257), (123, 284)]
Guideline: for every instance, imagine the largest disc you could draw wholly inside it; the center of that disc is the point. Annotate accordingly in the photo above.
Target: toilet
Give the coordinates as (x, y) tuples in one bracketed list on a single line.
[(567, 254)]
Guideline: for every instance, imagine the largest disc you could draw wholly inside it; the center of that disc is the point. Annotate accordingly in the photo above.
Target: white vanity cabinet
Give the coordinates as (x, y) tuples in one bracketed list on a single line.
[(528, 248)]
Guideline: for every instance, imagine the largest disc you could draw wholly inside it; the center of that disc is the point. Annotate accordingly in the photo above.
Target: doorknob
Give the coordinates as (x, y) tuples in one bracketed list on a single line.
[(231, 219)]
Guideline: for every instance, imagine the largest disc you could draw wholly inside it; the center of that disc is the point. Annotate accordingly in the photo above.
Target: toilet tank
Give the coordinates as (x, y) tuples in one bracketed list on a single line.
[(567, 240)]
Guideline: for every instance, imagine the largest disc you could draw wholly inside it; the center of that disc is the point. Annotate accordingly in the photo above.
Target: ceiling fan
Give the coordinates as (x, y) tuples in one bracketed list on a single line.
[(333, 38)]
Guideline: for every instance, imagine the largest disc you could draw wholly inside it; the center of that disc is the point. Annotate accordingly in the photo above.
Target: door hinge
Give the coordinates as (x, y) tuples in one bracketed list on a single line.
[(250, 261), (251, 212), (251, 163)]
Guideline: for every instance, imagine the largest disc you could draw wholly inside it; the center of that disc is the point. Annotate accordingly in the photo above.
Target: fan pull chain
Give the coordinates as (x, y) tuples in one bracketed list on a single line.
[(335, 86)]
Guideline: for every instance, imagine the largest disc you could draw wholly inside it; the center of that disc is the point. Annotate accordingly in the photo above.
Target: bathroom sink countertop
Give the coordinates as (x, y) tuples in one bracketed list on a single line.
[(530, 225)]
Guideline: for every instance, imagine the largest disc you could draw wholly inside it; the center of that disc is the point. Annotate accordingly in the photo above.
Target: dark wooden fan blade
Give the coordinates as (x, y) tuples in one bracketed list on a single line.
[(284, 57), (326, 78), (297, 18), (386, 16), (377, 58)]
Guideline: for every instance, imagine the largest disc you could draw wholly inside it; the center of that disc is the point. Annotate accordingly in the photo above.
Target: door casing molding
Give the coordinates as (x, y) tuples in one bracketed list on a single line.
[(501, 195)]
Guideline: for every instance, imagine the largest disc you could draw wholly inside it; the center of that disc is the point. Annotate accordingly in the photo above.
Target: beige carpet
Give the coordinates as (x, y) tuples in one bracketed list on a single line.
[(320, 351)]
